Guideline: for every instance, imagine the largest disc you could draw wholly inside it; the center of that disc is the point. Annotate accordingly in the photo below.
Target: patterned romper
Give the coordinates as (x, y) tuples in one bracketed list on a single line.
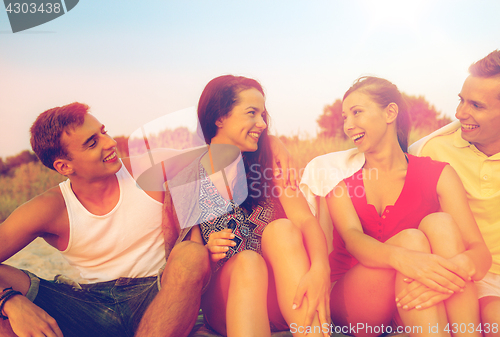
[(217, 214)]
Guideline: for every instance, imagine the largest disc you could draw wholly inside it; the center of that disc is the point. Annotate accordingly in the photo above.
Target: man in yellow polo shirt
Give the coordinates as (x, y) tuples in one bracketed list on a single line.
[(472, 147)]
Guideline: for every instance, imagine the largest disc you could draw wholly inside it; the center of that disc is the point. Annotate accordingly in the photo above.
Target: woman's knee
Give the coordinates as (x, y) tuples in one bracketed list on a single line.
[(443, 234), (282, 231), (249, 262), (440, 226), (246, 268), (413, 239)]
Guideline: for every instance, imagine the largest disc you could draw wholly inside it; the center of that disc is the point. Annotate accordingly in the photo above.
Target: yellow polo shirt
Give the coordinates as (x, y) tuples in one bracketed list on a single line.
[(480, 175)]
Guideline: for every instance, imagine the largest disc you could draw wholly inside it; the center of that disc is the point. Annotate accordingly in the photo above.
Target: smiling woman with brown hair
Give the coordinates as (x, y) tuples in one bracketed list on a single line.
[(258, 242), (390, 239)]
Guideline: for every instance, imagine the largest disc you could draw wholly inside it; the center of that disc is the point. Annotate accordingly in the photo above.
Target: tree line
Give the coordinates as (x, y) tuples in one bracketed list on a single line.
[(423, 115), (12, 162), (180, 138)]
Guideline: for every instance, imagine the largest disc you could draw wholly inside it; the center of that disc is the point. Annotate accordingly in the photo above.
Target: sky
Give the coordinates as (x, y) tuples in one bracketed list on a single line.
[(133, 62)]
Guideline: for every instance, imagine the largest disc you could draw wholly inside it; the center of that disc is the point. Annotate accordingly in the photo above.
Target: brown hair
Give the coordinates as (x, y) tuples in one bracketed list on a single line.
[(488, 66), (47, 129), (384, 93), (217, 100)]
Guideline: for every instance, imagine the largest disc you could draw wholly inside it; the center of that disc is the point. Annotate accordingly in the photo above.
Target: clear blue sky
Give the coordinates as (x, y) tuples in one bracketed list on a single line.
[(133, 62)]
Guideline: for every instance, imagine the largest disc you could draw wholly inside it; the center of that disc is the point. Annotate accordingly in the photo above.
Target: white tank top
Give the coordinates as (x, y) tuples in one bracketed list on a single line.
[(126, 242)]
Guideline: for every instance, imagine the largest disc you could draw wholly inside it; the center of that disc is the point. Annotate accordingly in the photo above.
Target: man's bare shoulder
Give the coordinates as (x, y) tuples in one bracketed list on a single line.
[(52, 197), (43, 216), (45, 212)]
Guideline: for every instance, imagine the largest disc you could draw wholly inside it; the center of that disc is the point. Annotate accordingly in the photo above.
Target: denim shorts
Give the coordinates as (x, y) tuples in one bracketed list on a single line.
[(112, 308)]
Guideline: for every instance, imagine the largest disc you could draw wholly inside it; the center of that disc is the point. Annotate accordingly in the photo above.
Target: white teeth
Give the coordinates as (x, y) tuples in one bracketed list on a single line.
[(469, 126), (254, 134), (357, 137), (111, 156)]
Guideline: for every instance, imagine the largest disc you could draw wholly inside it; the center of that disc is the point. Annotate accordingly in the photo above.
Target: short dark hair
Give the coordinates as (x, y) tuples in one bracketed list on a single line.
[(384, 93), (47, 129), (488, 66), (218, 98)]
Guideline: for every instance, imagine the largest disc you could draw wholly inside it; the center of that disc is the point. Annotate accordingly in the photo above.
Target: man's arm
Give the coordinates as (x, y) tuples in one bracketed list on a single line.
[(170, 223), (43, 216)]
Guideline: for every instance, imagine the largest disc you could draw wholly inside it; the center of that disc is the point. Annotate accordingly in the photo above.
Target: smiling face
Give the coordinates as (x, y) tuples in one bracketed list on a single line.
[(92, 151), (479, 113), (365, 122), (243, 125)]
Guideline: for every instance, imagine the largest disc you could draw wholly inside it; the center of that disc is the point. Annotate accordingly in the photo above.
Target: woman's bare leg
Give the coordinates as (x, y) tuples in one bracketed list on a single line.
[(490, 315), (419, 321), (235, 304), (283, 249), (362, 301), (364, 297), (446, 241)]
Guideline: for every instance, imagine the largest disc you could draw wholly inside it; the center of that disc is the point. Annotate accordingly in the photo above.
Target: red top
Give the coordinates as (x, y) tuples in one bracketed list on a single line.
[(417, 199)]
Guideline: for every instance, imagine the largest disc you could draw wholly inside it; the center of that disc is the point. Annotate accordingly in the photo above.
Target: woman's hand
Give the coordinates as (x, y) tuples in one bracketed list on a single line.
[(418, 296), (433, 271), (219, 243), (315, 285), (283, 164)]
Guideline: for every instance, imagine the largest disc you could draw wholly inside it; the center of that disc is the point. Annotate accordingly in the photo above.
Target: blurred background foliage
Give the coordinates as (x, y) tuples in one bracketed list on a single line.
[(23, 176)]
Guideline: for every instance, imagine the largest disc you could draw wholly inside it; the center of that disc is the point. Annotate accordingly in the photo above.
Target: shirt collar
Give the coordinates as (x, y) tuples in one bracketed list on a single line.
[(458, 141)]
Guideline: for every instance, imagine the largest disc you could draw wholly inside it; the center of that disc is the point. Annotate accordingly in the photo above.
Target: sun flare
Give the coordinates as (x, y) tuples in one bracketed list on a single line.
[(399, 14)]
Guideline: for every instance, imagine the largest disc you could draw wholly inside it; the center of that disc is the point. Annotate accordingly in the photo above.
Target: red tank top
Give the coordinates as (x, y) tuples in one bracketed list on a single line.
[(417, 199)]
